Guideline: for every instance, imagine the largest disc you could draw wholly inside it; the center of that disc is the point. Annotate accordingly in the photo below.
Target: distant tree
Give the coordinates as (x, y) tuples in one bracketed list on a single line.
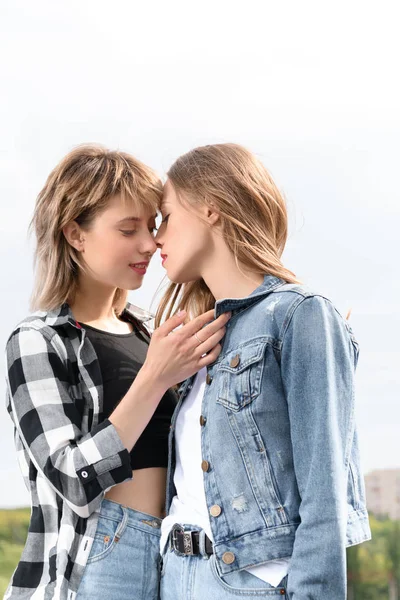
[(392, 547)]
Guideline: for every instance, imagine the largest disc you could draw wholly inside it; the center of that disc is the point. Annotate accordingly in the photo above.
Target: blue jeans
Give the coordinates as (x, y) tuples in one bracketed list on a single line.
[(197, 578), (124, 561)]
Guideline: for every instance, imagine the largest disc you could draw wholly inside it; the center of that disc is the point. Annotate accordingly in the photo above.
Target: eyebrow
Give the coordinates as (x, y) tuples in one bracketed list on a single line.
[(136, 219)]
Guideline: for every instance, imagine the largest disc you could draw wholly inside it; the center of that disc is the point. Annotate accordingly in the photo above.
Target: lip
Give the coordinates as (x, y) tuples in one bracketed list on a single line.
[(164, 258), (140, 267)]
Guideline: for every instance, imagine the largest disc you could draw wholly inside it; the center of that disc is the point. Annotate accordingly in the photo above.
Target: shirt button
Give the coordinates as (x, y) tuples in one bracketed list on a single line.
[(215, 510), (203, 420), (235, 361), (208, 379), (84, 474), (205, 465), (228, 558)]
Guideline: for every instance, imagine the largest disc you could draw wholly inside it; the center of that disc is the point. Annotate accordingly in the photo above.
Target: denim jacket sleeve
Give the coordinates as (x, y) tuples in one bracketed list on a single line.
[(318, 358), (78, 466)]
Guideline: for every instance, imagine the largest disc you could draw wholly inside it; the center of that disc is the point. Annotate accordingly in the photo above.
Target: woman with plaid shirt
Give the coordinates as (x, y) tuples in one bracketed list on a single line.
[(89, 393)]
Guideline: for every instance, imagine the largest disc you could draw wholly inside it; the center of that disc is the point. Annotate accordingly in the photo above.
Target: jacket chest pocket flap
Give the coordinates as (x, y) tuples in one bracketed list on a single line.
[(240, 375)]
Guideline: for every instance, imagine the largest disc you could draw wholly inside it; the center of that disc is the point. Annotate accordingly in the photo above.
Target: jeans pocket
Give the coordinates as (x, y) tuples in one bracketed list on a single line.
[(243, 583), (108, 534), (164, 559)]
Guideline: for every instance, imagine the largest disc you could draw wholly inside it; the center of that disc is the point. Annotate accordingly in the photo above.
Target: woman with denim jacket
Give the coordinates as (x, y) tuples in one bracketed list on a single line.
[(88, 393), (265, 490)]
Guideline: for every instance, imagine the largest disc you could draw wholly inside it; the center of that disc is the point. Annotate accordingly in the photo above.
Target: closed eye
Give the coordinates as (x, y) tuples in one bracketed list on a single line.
[(165, 219), (128, 232)]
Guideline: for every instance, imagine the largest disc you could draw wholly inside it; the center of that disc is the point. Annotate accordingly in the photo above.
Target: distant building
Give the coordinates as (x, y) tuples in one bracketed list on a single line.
[(383, 493)]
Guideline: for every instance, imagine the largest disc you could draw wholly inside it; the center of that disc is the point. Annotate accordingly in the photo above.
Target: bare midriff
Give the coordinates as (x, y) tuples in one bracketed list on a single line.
[(145, 492)]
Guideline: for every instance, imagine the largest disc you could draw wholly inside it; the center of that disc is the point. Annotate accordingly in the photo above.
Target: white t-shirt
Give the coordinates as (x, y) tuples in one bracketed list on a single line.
[(189, 506)]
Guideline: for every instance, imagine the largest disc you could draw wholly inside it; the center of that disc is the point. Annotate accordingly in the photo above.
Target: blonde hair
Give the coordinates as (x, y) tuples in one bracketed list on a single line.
[(252, 214), (79, 189)]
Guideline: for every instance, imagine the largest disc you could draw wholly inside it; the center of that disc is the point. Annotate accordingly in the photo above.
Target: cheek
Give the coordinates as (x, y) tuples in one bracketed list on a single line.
[(104, 250), (186, 233), (191, 244)]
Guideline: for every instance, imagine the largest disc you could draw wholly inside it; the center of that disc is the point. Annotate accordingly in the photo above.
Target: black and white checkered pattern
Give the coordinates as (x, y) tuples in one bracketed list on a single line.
[(69, 456)]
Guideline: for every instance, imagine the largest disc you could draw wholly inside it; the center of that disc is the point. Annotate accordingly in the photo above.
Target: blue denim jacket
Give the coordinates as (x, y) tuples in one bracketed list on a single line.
[(279, 444)]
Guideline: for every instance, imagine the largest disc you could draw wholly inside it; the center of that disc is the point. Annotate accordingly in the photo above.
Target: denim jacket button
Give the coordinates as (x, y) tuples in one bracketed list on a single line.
[(205, 465), (215, 510), (235, 361), (203, 420), (228, 558)]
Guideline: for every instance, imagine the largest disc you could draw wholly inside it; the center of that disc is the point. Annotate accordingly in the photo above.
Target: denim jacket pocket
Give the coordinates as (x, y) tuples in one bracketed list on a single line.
[(240, 375)]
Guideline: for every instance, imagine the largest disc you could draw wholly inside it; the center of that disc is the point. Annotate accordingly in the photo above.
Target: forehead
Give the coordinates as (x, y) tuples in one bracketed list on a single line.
[(169, 194), (125, 208)]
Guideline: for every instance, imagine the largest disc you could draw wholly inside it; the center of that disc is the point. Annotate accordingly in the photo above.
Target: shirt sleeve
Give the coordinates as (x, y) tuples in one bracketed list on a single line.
[(48, 420), (318, 360)]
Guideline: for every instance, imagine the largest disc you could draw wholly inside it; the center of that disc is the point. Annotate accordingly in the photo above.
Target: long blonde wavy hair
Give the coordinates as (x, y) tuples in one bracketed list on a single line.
[(79, 189), (252, 214)]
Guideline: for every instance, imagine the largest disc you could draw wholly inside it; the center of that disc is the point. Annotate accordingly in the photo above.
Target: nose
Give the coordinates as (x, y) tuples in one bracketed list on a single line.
[(149, 245), (158, 239)]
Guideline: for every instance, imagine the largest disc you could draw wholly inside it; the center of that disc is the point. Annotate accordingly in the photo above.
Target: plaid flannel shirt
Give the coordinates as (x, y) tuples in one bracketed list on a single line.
[(68, 455)]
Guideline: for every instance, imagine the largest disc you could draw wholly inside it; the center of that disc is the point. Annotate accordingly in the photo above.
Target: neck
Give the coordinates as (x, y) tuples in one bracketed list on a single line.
[(225, 280), (93, 303)]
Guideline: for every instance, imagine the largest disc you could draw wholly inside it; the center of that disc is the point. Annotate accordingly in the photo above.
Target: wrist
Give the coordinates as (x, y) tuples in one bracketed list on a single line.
[(149, 377)]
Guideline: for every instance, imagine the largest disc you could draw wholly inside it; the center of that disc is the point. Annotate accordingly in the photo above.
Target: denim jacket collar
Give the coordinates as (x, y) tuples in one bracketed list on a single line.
[(269, 284)]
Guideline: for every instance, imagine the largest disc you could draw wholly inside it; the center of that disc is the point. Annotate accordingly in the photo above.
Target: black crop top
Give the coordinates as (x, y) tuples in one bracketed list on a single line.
[(120, 357)]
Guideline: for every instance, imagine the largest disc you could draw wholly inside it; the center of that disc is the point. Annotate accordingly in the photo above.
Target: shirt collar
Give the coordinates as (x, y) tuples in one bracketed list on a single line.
[(63, 314), (269, 284)]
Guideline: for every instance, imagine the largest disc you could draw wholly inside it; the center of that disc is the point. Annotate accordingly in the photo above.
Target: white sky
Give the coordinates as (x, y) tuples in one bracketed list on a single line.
[(311, 87)]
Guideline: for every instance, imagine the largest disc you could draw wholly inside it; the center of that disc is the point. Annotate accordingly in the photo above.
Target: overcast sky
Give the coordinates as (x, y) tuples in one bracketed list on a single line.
[(311, 87)]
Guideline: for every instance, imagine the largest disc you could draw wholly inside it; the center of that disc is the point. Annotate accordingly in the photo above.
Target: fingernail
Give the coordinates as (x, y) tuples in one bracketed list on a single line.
[(180, 313)]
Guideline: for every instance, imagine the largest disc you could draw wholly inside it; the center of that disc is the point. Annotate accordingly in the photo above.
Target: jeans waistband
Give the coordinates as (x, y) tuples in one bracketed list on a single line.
[(130, 516)]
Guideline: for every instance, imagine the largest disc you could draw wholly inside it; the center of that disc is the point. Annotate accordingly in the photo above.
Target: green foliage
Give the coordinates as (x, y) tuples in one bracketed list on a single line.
[(13, 530), (374, 567), (14, 525)]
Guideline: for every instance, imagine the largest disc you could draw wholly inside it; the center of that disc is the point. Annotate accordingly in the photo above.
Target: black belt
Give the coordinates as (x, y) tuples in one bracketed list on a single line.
[(187, 542)]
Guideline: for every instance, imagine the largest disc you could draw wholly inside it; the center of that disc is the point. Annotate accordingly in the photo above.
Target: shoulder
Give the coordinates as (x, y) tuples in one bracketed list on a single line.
[(287, 297), (299, 305), (34, 322), (34, 335)]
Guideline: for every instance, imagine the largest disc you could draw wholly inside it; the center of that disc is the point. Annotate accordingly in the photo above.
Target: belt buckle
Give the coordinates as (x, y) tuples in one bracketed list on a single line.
[(187, 542), (187, 539)]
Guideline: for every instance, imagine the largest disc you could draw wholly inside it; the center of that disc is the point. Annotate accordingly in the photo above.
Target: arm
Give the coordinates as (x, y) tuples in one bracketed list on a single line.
[(317, 361), (79, 467)]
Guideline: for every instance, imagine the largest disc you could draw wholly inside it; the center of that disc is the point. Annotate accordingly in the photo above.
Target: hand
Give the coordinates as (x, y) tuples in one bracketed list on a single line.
[(176, 355)]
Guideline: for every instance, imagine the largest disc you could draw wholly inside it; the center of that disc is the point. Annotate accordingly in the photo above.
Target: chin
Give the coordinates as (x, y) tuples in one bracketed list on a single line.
[(133, 286), (182, 278)]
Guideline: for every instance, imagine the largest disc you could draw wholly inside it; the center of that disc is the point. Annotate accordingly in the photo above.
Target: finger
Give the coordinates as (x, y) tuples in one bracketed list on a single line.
[(210, 357), (212, 341), (197, 323), (213, 327), (171, 324)]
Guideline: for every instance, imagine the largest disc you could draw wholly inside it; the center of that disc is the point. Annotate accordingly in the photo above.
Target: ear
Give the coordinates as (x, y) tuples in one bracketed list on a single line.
[(212, 216), (74, 236)]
